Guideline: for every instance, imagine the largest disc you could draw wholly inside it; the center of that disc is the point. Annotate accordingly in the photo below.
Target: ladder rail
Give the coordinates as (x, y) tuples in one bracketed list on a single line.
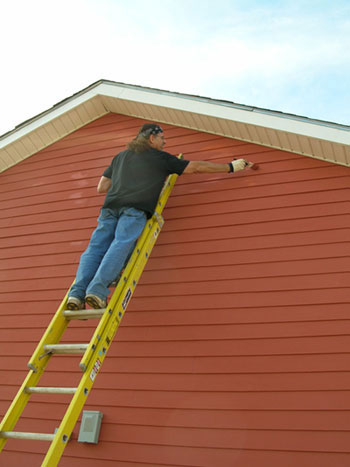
[(92, 369), (52, 335), (18, 405)]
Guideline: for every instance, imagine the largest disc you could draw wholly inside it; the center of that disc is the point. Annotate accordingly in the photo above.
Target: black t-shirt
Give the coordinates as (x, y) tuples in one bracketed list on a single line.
[(138, 178)]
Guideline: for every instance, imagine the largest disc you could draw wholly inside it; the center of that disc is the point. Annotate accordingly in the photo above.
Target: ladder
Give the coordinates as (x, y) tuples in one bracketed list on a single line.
[(94, 352)]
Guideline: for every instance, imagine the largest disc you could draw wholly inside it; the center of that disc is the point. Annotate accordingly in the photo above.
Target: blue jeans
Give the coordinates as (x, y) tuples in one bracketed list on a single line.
[(110, 245)]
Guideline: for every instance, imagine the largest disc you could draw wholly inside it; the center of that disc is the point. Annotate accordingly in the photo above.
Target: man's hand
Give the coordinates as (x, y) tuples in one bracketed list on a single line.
[(239, 164)]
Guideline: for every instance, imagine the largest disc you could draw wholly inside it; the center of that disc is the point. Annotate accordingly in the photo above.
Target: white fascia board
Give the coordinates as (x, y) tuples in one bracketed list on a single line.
[(250, 117), (46, 117), (184, 103)]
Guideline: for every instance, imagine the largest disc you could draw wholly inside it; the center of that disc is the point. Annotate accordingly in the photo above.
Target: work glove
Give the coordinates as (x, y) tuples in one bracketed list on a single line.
[(239, 164)]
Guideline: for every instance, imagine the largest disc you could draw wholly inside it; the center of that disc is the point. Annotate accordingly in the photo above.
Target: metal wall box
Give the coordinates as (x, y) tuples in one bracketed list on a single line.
[(90, 426)]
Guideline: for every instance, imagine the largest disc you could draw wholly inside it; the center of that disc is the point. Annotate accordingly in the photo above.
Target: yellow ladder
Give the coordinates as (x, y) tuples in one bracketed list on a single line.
[(94, 353)]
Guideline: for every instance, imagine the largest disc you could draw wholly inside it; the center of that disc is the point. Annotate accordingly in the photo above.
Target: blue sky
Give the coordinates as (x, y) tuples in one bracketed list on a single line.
[(290, 56)]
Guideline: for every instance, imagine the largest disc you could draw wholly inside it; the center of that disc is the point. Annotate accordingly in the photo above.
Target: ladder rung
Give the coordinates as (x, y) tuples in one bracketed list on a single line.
[(66, 348), (42, 390), (33, 436), (83, 314)]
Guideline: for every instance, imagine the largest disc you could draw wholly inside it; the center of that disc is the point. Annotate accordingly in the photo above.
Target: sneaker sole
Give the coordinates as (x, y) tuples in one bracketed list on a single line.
[(74, 306), (94, 303)]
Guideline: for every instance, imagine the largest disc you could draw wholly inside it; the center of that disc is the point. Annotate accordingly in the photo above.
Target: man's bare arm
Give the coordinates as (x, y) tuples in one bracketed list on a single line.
[(104, 184), (213, 167)]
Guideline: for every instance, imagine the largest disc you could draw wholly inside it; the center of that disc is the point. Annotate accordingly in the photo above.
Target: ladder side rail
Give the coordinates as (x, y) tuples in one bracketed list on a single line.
[(167, 189), (37, 366), (18, 405), (123, 300), (52, 335), (95, 362)]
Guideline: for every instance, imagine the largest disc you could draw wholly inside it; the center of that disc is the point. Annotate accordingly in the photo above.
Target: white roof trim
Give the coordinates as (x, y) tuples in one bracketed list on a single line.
[(264, 119), (45, 117), (314, 138)]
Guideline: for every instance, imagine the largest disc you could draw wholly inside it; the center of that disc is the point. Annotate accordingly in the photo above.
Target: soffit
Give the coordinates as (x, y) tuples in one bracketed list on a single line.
[(313, 138)]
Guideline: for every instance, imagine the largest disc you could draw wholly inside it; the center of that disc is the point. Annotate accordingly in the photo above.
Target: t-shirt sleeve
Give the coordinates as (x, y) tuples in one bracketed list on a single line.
[(108, 172), (174, 164)]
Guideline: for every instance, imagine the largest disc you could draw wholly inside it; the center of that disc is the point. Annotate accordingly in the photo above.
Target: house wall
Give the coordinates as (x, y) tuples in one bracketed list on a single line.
[(235, 348)]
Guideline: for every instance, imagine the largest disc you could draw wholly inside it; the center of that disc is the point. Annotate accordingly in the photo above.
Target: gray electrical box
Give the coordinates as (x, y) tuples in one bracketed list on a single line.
[(90, 426)]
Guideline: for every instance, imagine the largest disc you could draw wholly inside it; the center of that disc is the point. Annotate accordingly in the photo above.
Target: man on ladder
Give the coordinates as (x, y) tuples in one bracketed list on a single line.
[(133, 183)]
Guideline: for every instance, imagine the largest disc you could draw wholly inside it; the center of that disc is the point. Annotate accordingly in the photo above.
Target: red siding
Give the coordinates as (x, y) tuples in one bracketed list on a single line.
[(235, 348)]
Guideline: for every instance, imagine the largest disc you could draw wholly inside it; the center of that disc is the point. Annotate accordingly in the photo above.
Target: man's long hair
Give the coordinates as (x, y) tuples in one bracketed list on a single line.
[(141, 142)]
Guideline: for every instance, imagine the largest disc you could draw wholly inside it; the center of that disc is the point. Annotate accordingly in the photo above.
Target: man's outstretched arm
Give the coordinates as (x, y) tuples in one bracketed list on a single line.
[(213, 167)]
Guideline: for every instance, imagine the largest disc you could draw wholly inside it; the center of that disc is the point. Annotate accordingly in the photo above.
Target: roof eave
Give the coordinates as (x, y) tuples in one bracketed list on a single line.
[(314, 138)]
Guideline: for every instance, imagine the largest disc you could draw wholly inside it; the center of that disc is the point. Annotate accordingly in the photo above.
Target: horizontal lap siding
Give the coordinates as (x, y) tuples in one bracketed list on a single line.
[(234, 349)]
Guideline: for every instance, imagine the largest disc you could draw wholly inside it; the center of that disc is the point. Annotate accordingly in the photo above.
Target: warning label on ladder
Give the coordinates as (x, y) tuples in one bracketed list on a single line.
[(126, 299), (95, 369)]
